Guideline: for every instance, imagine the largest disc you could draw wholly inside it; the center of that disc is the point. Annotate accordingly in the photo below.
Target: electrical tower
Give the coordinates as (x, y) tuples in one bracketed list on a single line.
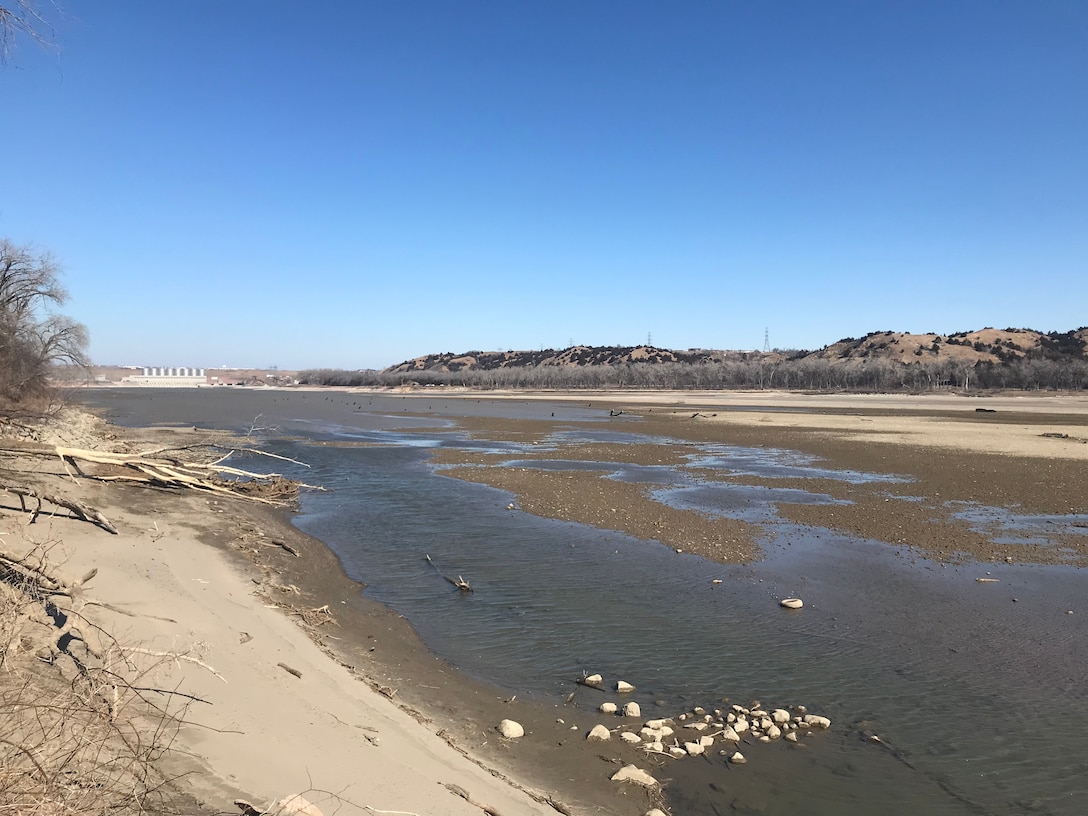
[(766, 339), (649, 339)]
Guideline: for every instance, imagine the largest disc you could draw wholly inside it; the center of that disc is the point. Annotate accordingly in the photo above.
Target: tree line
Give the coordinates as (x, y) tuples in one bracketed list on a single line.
[(804, 374)]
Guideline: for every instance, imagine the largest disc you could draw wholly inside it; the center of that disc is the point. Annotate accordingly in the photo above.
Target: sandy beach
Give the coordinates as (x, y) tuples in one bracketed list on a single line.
[(294, 683)]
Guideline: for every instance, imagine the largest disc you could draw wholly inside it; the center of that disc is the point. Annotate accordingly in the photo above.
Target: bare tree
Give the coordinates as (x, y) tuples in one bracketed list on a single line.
[(22, 17), (33, 339)]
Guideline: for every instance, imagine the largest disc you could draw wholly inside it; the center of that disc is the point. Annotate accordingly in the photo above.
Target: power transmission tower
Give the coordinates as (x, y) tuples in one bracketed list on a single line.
[(649, 339), (766, 339)]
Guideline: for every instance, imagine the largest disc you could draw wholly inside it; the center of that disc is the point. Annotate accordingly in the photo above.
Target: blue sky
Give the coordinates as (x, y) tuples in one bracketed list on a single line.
[(351, 184)]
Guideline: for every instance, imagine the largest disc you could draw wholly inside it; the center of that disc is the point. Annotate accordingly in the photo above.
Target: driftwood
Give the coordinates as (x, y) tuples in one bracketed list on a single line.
[(78, 509), (460, 583)]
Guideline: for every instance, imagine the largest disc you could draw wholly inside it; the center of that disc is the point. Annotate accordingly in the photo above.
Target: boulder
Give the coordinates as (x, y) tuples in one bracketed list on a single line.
[(815, 721), (654, 746), (791, 736), (730, 734), (706, 741), (632, 710), (608, 708), (738, 758), (774, 732), (623, 687), (593, 680), (599, 732), (657, 723), (694, 748), (632, 773), (511, 729), (780, 715), (655, 812), (628, 736), (792, 603)]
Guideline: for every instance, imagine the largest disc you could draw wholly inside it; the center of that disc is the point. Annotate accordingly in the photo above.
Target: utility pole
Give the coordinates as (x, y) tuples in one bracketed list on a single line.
[(766, 339)]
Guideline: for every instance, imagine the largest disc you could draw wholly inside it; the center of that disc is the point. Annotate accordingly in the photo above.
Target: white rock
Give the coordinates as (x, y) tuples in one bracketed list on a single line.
[(765, 723), (780, 715), (666, 731), (738, 758), (655, 812), (694, 748), (607, 708), (594, 680), (653, 746), (657, 723), (599, 732), (650, 734), (792, 603), (697, 726), (677, 751), (623, 687), (296, 805), (791, 736), (632, 710), (816, 721), (730, 734), (511, 729), (627, 736), (706, 741), (774, 732), (731, 718), (757, 714), (741, 725), (631, 773), (764, 738)]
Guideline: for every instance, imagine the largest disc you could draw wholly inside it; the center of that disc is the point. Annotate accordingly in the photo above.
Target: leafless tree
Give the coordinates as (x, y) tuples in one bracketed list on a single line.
[(22, 18), (33, 339)]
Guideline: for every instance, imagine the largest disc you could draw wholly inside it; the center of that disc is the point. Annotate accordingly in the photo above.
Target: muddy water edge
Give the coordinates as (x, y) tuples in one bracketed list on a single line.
[(947, 695)]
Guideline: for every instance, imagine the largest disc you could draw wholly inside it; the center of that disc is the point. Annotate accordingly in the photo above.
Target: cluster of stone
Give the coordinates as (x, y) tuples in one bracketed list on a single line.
[(697, 731)]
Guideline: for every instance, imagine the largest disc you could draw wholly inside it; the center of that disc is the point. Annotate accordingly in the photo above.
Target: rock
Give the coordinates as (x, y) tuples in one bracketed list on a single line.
[(780, 715), (666, 731), (774, 732), (623, 687), (791, 736), (741, 725), (815, 721), (511, 729), (792, 603), (697, 726), (657, 723), (608, 708), (730, 734), (655, 812), (627, 736), (653, 746), (632, 710), (738, 758), (631, 773), (764, 738), (706, 741), (599, 732), (296, 805), (593, 680), (698, 710), (694, 748), (765, 723)]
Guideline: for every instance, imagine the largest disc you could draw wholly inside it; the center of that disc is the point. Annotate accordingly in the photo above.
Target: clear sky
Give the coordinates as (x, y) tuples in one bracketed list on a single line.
[(350, 184)]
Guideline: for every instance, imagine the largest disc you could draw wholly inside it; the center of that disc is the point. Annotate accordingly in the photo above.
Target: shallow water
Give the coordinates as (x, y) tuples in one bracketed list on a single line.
[(980, 701)]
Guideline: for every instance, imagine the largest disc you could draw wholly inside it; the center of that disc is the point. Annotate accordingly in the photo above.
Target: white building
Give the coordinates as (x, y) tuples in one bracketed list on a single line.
[(169, 377)]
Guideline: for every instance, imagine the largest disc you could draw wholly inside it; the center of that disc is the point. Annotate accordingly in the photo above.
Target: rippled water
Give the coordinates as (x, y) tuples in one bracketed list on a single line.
[(980, 701)]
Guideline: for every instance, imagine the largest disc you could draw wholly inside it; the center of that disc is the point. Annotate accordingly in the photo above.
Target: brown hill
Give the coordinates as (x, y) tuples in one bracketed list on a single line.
[(568, 357), (988, 345)]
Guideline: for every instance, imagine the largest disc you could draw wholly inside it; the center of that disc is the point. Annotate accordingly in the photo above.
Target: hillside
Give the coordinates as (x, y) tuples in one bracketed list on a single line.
[(988, 346), (566, 358), (995, 346)]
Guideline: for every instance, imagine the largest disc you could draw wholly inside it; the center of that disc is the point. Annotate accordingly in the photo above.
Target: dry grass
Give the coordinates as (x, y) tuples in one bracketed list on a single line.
[(83, 728)]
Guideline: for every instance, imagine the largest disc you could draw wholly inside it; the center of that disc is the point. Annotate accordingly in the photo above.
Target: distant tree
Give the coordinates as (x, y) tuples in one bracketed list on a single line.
[(33, 338)]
